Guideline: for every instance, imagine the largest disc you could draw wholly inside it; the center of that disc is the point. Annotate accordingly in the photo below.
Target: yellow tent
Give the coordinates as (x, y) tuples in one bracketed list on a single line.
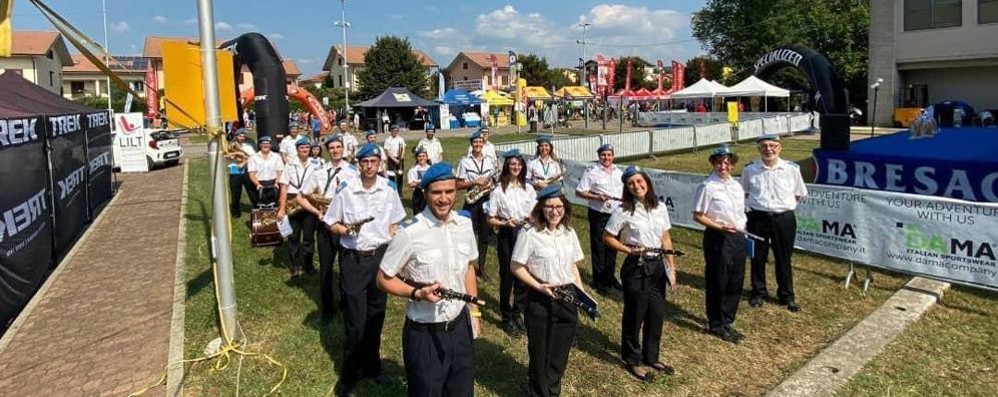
[(537, 93), (494, 98), (573, 92)]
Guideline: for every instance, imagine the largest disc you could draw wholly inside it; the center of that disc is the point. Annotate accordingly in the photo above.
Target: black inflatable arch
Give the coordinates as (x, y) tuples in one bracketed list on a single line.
[(830, 96), (269, 81)]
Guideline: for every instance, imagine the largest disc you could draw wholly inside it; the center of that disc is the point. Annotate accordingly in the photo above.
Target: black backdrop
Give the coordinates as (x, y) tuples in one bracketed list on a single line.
[(69, 173), (99, 157)]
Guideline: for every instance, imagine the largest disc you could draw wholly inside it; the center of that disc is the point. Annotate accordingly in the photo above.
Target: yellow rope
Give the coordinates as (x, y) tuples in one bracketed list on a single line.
[(230, 346)]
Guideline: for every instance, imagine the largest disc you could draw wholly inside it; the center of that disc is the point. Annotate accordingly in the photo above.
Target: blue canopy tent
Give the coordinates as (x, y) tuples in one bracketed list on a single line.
[(458, 100)]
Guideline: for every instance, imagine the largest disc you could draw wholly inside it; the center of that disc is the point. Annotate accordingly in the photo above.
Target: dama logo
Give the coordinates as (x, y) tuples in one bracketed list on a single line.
[(827, 227), (916, 239)]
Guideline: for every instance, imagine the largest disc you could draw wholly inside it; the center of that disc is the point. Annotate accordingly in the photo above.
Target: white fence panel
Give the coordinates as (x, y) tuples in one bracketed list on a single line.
[(671, 139), (750, 129), (577, 148), (713, 134), (628, 144)]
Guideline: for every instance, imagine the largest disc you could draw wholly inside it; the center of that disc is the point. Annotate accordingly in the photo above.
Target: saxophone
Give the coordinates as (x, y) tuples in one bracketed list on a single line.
[(477, 192), (315, 198), (235, 153)]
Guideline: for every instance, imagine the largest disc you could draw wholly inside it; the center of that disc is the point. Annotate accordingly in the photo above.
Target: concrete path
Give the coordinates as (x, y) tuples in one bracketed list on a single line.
[(101, 326)]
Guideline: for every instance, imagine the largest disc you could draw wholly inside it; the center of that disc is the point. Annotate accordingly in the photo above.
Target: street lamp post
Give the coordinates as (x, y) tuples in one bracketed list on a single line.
[(343, 24), (107, 60), (582, 72), (873, 112)]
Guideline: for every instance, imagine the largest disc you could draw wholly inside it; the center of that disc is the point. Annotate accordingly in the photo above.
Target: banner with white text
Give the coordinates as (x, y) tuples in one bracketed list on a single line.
[(67, 142), (130, 137)]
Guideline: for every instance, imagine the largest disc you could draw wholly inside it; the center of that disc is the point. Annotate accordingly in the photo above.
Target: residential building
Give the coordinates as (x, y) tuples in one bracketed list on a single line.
[(355, 63), (84, 79), (927, 51), (473, 71), (39, 57)]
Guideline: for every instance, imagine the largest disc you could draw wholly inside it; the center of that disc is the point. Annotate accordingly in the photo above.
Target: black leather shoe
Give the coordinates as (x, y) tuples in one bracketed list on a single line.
[(755, 301), (737, 334), (510, 328), (381, 379), (616, 285), (725, 335), (792, 306)]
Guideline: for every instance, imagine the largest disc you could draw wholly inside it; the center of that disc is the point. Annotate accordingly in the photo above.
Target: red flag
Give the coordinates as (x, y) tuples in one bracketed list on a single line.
[(601, 75), (675, 76), (682, 77), (152, 93), (495, 69), (611, 74), (627, 82)]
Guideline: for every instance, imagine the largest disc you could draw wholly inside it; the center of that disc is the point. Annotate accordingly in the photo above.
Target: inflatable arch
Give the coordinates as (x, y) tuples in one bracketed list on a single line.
[(830, 95), (299, 94), (255, 51)]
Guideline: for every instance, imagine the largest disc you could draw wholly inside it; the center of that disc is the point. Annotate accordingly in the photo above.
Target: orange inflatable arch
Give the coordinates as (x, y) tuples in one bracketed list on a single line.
[(302, 96)]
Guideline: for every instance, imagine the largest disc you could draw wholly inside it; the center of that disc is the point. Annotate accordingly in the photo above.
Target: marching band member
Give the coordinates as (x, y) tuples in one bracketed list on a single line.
[(395, 150), (719, 204), (415, 176), (773, 187), (476, 170), (601, 185), (350, 143), (327, 181), (544, 165), (509, 209), (315, 156), (237, 174), (288, 145), (545, 259), (487, 147), (301, 242), (372, 199), (265, 168), (642, 222), (434, 149), (435, 249)]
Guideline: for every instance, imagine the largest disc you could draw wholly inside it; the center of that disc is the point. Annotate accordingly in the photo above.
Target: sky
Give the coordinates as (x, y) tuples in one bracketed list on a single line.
[(304, 30)]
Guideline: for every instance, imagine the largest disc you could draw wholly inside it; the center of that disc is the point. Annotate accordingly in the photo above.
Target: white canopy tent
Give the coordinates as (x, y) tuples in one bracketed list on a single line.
[(701, 89), (754, 86)]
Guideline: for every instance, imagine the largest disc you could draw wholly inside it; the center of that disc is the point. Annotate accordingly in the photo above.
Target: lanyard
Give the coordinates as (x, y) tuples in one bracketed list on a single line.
[(301, 175), (329, 179)]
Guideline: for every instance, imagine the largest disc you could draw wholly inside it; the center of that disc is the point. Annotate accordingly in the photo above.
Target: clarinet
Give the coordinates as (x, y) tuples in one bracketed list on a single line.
[(353, 228), (449, 294), (567, 295)]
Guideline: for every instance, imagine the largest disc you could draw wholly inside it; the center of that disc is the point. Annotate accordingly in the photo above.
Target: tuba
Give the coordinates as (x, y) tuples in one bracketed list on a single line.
[(478, 192)]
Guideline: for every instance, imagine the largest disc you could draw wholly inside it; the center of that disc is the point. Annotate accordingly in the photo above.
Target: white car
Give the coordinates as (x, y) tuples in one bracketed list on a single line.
[(162, 148)]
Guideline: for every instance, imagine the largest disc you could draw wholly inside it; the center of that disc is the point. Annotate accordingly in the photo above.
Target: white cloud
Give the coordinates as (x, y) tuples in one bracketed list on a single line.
[(160, 19), (443, 50), (649, 33), (440, 34), (445, 42), (246, 26), (222, 26), (514, 28), (275, 36), (119, 27)]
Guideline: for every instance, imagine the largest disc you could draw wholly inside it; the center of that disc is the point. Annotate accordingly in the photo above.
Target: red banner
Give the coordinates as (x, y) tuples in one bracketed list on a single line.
[(661, 75), (601, 75), (152, 93), (627, 82), (611, 75), (495, 69)]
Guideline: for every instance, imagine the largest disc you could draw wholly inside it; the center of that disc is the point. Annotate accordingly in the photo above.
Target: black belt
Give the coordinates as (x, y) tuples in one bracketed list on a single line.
[(446, 326), (772, 214), (370, 252)]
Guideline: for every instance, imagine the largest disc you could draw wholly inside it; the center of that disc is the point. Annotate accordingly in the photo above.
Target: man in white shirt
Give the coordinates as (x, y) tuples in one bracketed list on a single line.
[(602, 187), (365, 212), (288, 145), (488, 148), (395, 151), (773, 187), (265, 168), (434, 150)]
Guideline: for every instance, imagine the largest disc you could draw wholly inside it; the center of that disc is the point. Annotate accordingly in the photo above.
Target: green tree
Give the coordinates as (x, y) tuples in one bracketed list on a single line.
[(117, 101), (390, 62), (638, 74), (738, 32), (535, 70), (711, 66)]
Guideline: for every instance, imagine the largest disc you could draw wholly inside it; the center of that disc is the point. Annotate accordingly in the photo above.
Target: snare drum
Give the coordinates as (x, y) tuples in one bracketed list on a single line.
[(263, 228)]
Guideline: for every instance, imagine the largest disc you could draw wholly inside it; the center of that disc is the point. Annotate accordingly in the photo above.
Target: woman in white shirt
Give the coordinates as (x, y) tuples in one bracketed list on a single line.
[(640, 225), (545, 258), (545, 166), (414, 176)]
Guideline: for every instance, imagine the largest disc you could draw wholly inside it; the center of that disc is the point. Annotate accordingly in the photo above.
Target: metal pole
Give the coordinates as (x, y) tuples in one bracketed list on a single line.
[(222, 249), (346, 72), (582, 74), (873, 113), (107, 51)]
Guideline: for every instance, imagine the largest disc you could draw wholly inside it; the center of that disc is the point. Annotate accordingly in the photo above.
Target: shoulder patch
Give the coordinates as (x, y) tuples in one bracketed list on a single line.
[(409, 222), (464, 213), (342, 186), (392, 184)]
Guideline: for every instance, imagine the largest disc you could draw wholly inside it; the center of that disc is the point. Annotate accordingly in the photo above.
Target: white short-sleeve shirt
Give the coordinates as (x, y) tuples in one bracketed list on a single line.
[(395, 145), (515, 202), (266, 168), (538, 169), (296, 175), (721, 200), (470, 169), (428, 250), (289, 147), (415, 173), (350, 146), (330, 178), (434, 150), (488, 149), (600, 180), (773, 189), (642, 228), (549, 255), (353, 203)]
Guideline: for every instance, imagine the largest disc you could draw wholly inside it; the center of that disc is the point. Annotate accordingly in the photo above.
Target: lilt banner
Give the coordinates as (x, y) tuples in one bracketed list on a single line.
[(131, 140)]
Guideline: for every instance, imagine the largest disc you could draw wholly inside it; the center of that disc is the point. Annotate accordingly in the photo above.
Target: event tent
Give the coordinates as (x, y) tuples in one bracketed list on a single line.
[(573, 92), (397, 97), (460, 97), (701, 89), (496, 98), (536, 93), (754, 86)]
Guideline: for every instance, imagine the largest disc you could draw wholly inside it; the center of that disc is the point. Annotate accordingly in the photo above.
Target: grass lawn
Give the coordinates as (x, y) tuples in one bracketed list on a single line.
[(281, 317)]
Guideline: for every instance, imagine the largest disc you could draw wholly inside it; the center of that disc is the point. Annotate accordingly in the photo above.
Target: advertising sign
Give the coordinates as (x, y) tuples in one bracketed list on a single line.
[(131, 140)]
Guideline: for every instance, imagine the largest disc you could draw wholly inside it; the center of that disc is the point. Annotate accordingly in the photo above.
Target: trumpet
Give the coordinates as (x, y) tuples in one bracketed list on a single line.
[(477, 192)]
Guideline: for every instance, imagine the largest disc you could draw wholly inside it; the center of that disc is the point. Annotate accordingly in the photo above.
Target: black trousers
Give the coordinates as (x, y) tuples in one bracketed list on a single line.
[(437, 362), (644, 305), (418, 201), (781, 230), (329, 248), (511, 290), (724, 254), (364, 316), (301, 242), (551, 327), (603, 258), (237, 182), (267, 195), (398, 169), (482, 230)]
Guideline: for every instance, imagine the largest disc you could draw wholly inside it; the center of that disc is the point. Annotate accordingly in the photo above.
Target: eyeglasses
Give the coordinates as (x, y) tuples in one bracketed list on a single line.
[(554, 207)]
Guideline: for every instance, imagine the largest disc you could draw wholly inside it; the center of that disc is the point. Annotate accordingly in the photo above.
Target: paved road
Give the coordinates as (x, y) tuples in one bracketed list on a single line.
[(103, 327)]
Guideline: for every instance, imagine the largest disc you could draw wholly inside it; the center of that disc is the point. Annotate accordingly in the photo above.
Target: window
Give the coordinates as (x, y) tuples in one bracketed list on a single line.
[(76, 87), (50, 54), (339, 61), (341, 80), (987, 11), (51, 79), (464, 66), (932, 14), (138, 85)]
